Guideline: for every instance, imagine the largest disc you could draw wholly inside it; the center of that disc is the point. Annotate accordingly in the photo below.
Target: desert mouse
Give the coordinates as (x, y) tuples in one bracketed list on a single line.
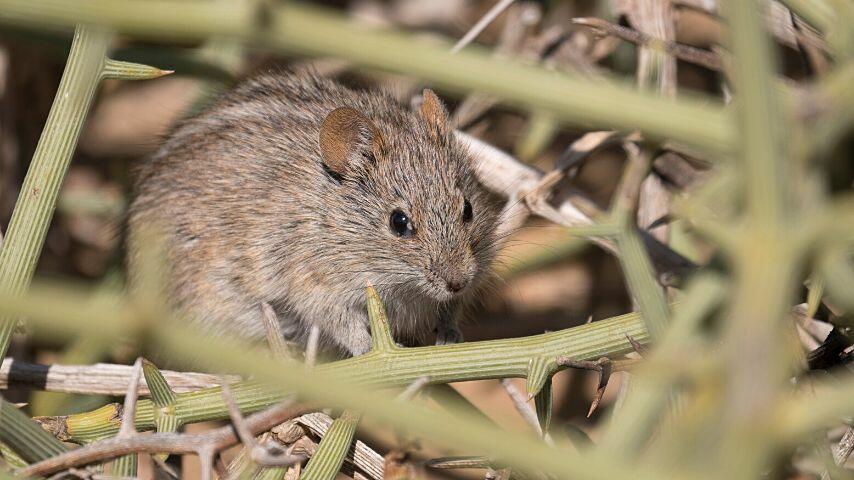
[(296, 191)]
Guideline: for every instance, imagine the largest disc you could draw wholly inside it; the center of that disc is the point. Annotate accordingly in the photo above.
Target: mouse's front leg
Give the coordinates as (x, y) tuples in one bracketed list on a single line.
[(447, 330), (352, 332)]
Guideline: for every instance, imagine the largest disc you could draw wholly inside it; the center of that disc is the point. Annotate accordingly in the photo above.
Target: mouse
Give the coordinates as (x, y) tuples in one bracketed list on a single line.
[(296, 191)]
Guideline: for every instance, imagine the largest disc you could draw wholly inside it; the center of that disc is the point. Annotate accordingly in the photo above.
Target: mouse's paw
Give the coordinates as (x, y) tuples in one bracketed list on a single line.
[(358, 342), (449, 336)]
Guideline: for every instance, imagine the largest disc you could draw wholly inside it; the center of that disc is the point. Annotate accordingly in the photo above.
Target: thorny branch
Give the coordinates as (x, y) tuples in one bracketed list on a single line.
[(275, 338)]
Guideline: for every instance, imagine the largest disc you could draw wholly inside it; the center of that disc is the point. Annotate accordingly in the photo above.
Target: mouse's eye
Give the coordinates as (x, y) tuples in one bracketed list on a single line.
[(468, 214), (401, 224)]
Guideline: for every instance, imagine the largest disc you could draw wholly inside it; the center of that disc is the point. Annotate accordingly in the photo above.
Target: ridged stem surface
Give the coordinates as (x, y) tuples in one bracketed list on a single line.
[(34, 208), (327, 461), (297, 28), (530, 357)]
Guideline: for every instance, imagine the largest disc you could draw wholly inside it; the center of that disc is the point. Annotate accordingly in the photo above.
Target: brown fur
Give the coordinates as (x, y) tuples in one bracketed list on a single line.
[(266, 198)]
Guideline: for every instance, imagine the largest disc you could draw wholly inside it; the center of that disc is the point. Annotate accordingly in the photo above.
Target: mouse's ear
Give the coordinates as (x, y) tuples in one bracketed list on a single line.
[(347, 135), (433, 111)]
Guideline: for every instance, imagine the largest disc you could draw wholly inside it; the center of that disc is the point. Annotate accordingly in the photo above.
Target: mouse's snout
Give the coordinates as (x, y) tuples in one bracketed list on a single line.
[(456, 284), (451, 278)]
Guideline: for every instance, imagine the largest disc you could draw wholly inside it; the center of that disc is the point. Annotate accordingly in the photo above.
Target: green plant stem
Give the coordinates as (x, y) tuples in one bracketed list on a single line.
[(636, 422), (296, 28), (161, 393), (11, 458), (327, 461), (352, 383), (460, 430), (86, 66), (34, 208), (756, 354), (118, 70), (835, 268), (25, 436), (400, 367), (124, 466), (634, 259), (396, 367), (640, 278), (541, 257), (270, 473)]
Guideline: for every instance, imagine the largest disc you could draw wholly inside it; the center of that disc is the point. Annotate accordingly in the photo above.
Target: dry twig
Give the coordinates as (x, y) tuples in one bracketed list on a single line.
[(687, 53), (128, 427), (528, 191), (98, 379), (205, 445), (481, 24), (267, 455), (520, 402)]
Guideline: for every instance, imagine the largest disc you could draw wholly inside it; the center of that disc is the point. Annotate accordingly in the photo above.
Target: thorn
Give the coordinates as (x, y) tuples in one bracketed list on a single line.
[(603, 366), (275, 337), (481, 24), (261, 454), (539, 371), (448, 463), (381, 339), (311, 346), (414, 388), (604, 376), (119, 70), (161, 393), (639, 349)]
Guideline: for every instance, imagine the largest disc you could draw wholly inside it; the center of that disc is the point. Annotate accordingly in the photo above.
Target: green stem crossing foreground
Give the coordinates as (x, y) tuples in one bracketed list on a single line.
[(295, 28), (87, 65), (351, 383), (35, 205), (326, 463), (528, 357)]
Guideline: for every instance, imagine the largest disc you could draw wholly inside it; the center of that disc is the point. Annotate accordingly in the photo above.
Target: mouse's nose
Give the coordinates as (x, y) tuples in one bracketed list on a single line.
[(456, 285), (454, 275)]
